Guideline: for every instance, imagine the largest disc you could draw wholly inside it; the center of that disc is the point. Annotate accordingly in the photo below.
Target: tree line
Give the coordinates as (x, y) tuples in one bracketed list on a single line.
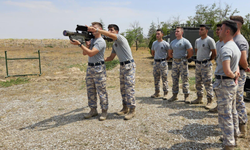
[(204, 14)]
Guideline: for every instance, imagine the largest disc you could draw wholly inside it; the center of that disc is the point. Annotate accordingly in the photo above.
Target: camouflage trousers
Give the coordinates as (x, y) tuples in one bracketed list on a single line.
[(240, 104), (225, 91), (127, 84), (161, 71), (203, 74), (96, 83), (180, 66)]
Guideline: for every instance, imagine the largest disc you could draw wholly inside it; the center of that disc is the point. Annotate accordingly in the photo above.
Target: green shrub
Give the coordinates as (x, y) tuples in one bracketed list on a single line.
[(111, 64), (14, 82)]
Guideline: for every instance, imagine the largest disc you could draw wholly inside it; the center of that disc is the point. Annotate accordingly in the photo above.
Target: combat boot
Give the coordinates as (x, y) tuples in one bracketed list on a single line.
[(209, 103), (130, 114), (103, 115), (213, 110), (165, 95), (123, 111), (156, 94), (173, 98), (197, 101), (186, 98), (243, 130), (93, 112)]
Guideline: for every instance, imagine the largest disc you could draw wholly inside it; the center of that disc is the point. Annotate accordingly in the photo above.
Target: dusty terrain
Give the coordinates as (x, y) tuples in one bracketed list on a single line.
[(47, 112)]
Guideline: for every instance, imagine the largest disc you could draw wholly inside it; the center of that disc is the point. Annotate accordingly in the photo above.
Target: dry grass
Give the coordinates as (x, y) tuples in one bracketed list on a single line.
[(47, 112)]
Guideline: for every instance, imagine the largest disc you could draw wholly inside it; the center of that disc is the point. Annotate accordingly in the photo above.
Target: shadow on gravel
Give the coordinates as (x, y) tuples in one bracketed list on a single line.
[(192, 145), (197, 132), (165, 104), (191, 114), (66, 118)]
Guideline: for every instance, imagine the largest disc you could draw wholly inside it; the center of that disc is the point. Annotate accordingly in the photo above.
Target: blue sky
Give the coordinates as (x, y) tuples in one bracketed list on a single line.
[(40, 19)]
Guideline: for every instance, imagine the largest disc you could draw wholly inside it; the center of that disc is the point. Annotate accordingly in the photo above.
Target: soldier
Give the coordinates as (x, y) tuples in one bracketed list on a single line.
[(205, 51), (122, 49), (226, 74), (180, 50), (159, 50), (96, 73), (242, 43), (219, 45)]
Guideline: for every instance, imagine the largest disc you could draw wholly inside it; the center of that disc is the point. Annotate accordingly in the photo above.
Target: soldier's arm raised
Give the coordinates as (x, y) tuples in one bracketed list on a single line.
[(108, 34)]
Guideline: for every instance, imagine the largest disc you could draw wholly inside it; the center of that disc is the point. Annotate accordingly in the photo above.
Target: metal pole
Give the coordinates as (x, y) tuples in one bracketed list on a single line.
[(39, 63), (6, 63)]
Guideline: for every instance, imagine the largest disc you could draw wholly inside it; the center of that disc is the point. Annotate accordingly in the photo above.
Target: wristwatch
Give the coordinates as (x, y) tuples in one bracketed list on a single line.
[(80, 45)]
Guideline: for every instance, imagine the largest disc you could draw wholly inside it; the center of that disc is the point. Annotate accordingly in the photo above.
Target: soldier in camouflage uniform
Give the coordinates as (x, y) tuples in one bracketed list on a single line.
[(205, 50), (226, 74), (159, 50), (242, 44), (96, 73), (122, 49), (180, 50), (219, 45)]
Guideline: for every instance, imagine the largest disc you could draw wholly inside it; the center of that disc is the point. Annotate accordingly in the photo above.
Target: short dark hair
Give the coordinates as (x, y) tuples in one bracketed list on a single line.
[(237, 18), (97, 23), (159, 30), (232, 25), (219, 25), (114, 26), (203, 25)]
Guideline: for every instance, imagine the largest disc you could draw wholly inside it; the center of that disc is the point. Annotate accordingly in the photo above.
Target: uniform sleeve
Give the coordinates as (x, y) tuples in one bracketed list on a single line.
[(170, 45), (100, 45), (242, 46), (226, 54), (212, 44), (113, 50), (188, 45), (195, 44), (167, 46), (152, 47)]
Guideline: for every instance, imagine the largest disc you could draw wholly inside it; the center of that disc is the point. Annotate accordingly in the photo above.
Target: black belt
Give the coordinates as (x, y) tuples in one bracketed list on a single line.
[(222, 77), (159, 60), (201, 62), (126, 62), (96, 64)]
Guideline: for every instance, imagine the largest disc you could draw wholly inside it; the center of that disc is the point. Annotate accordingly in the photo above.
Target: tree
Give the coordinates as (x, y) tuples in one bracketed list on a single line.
[(245, 31), (152, 29), (103, 25), (135, 34)]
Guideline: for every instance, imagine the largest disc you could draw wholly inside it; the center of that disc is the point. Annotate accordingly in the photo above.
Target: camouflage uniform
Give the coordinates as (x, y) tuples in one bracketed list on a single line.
[(180, 66), (240, 104), (225, 90), (127, 84), (161, 70), (203, 73), (96, 82)]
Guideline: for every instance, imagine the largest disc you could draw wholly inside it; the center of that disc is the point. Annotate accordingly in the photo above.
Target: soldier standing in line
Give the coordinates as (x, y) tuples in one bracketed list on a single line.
[(205, 50), (242, 44), (227, 74), (180, 50), (159, 50), (96, 73), (122, 49), (219, 45)]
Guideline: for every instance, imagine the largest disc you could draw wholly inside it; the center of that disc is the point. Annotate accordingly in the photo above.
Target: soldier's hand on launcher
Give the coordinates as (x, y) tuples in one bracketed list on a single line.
[(74, 42)]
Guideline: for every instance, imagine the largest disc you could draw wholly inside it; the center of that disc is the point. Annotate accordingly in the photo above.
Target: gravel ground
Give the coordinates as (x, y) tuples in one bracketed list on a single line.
[(47, 113)]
